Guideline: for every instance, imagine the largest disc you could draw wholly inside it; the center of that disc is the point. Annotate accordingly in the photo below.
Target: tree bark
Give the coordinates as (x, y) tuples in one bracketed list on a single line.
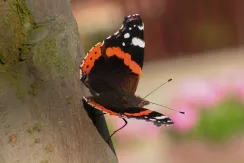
[(41, 115)]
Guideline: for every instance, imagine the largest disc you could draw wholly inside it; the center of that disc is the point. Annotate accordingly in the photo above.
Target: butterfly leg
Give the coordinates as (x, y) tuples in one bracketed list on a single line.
[(117, 130)]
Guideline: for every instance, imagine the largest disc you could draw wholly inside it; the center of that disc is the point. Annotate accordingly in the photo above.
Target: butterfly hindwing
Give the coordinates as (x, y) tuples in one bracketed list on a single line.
[(156, 118), (126, 106)]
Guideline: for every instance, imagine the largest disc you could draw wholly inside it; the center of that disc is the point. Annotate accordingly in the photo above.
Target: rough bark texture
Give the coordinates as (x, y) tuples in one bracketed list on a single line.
[(41, 114)]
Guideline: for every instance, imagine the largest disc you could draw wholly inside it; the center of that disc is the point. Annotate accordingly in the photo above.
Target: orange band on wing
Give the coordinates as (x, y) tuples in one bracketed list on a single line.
[(90, 58), (100, 107), (146, 112), (116, 51)]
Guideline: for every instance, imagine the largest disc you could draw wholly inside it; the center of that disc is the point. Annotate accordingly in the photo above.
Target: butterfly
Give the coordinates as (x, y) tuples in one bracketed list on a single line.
[(111, 71)]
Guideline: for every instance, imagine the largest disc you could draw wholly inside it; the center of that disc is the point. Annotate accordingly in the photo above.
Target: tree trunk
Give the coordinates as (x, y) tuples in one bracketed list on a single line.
[(41, 115)]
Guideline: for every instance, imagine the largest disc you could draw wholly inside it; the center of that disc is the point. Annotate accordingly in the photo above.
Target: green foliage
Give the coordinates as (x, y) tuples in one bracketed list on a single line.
[(218, 123), (222, 121)]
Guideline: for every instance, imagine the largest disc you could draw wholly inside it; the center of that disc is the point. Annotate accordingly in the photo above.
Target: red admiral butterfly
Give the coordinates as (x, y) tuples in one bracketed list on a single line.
[(111, 70)]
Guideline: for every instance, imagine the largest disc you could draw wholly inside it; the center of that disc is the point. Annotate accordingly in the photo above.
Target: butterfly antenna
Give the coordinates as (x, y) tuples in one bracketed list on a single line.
[(158, 88), (181, 112)]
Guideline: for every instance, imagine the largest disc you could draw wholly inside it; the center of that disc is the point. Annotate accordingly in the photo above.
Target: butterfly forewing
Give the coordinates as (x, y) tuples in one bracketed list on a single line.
[(116, 63)]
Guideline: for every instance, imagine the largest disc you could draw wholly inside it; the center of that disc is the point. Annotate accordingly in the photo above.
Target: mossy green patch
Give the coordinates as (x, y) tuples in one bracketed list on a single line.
[(24, 52), (51, 61), (2, 59), (54, 54), (69, 100), (36, 128), (16, 21), (49, 148), (30, 130), (34, 89), (20, 8)]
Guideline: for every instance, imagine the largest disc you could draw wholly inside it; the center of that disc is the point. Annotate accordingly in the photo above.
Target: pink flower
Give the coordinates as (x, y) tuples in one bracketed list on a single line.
[(196, 94), (184, 123), (221, 87), (199, 92)]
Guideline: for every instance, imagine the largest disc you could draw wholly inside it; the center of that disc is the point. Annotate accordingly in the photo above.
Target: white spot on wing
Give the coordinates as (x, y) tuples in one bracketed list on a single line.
[(108, 37), (138, 42), (85, 98), (141, 27), (123, 43), (127, 35), (130, 28), (116, 33), (122, 26), (161, 117)]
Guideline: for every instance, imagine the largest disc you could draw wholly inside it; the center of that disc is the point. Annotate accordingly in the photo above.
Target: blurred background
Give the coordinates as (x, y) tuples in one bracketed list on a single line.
[(198, 43)]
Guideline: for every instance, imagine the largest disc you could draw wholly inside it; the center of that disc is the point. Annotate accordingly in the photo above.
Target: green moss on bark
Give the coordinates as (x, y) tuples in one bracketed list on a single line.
[(24, 52), (47, 57), (54, 54), (34, 89), (16, 21), (2, 59), (50, 45), (69, 100)]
